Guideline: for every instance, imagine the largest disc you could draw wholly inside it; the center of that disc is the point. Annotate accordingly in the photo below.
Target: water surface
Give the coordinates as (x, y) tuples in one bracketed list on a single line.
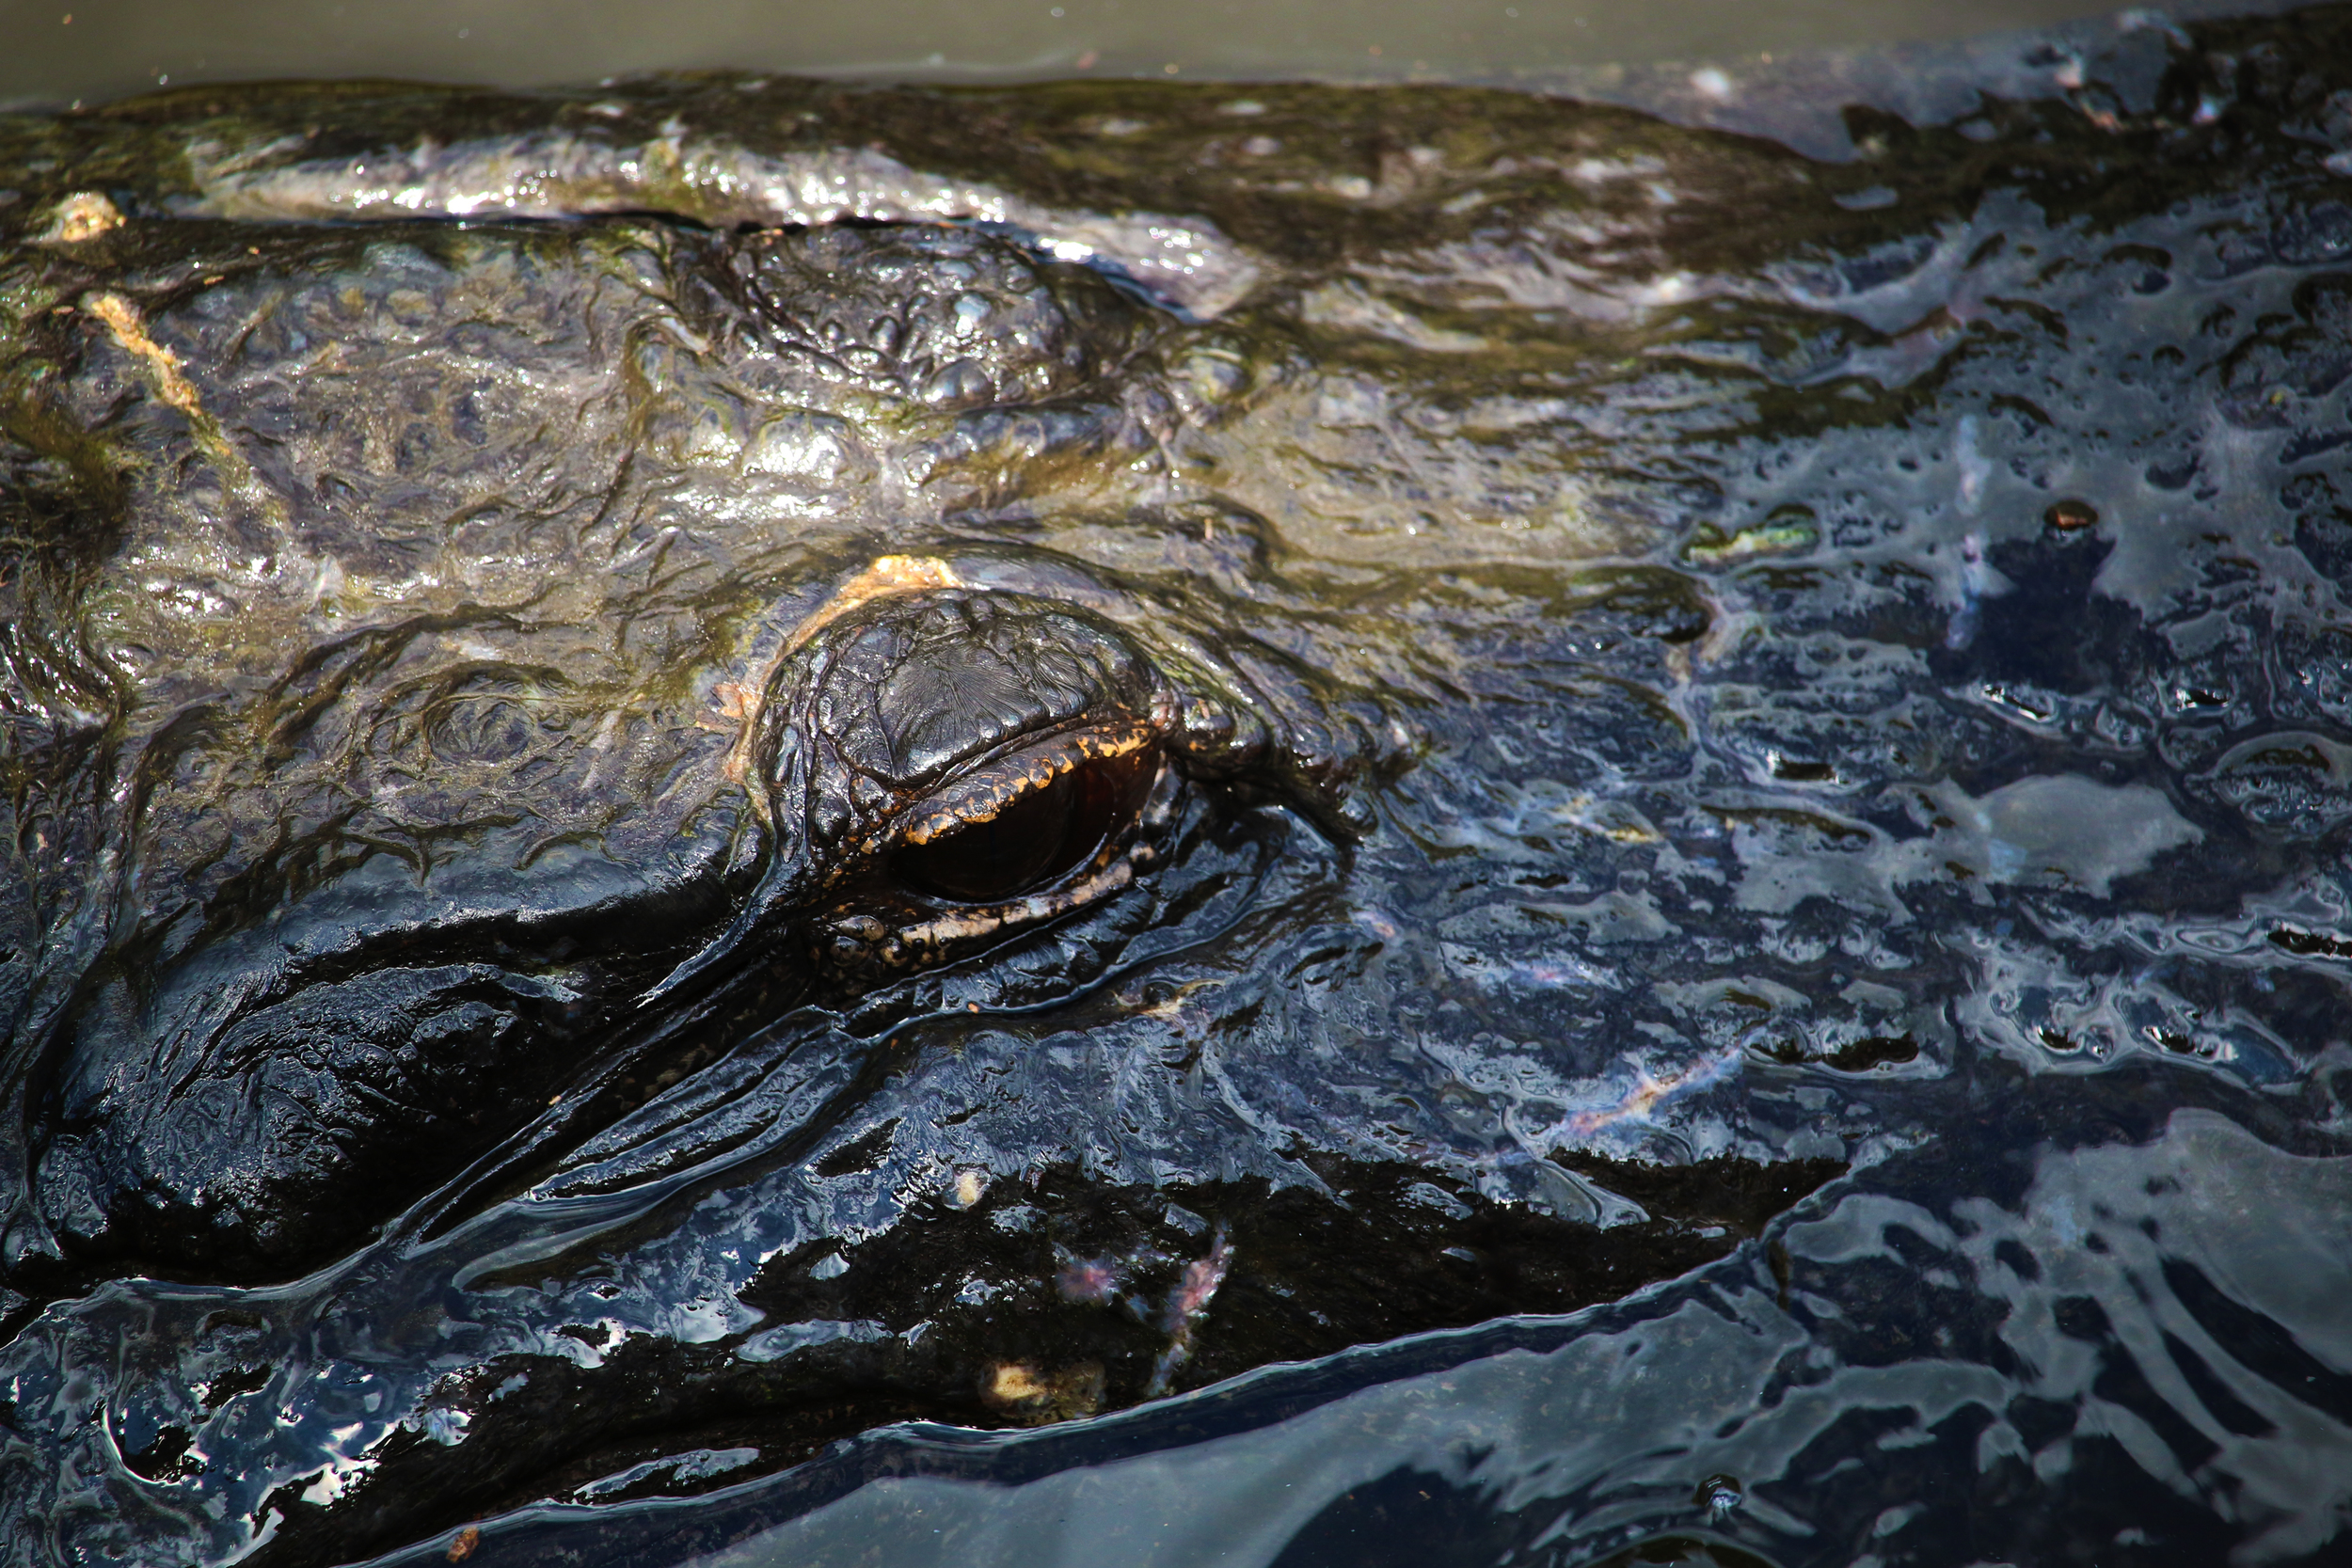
[(1774, 995)]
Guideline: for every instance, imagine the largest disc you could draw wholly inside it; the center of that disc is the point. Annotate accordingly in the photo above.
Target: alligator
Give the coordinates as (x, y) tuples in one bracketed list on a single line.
[(696, 767)]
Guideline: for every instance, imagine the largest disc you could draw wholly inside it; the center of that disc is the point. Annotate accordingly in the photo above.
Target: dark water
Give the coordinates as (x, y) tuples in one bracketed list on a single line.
[(1739, 954)]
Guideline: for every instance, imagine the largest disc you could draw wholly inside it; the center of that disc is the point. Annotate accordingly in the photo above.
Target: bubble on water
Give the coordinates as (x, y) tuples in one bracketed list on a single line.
[(1719, 1495)]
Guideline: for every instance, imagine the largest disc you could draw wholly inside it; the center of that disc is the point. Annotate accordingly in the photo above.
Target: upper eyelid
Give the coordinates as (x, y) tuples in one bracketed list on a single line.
[(981, 792)]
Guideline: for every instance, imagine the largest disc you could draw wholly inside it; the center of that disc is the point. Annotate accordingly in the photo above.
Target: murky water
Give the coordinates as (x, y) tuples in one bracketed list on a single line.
[(99, 49), (755, 822)]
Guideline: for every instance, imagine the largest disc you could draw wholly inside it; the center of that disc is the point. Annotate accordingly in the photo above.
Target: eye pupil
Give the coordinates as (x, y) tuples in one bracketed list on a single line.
[(1039, 835)]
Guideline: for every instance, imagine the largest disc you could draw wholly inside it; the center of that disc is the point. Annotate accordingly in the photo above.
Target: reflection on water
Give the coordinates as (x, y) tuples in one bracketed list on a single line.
[(1996, 1379), (1745, 958)]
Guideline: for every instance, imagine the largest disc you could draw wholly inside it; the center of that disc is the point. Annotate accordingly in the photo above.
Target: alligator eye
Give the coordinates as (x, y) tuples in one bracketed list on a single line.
[(1038, 836)]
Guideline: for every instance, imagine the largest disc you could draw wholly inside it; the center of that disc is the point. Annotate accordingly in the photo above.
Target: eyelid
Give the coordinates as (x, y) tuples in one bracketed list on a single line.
[(980, 794), (980, 921)]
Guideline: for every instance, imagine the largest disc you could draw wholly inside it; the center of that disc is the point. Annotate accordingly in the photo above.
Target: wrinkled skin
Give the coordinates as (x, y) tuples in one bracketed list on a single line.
[(791, 772), (392, 894)]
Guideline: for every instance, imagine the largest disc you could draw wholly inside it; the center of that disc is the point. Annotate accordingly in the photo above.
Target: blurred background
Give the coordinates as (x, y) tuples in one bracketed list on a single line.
[(58, 51)]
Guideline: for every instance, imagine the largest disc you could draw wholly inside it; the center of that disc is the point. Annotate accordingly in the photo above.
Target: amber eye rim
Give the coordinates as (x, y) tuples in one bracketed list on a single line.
[(1031, 824)]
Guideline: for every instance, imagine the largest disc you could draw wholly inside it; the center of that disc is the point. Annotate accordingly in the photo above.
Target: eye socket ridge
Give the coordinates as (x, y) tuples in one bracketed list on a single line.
[(1028, 819)]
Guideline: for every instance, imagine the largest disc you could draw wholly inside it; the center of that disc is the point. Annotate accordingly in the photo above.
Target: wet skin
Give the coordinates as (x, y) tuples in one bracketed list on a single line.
[(842, 756), (494, 848)]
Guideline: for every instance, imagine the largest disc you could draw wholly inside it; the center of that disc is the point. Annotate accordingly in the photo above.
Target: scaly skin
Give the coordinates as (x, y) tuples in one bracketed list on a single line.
[(514, 607)]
